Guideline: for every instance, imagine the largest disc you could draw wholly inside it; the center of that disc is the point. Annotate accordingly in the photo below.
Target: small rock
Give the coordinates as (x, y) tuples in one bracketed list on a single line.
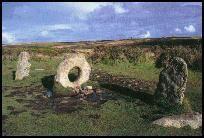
[(81, 99), (89, 87), (64, 101), (87, 92)]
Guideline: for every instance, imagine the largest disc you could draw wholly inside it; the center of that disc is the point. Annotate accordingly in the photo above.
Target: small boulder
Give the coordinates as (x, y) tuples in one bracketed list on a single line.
[(88, 87), (194, 120)]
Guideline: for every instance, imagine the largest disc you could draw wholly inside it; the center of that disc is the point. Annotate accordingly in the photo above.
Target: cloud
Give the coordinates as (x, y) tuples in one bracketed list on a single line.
[(189, 28), (146, 35), (82, 9), (44, 33), (178, 30), (192, 4), (47, 30), (8, 38), (58, 27), (119, 8)]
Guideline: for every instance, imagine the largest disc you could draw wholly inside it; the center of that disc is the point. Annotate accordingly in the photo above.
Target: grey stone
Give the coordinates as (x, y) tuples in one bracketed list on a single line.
[(194, 120), (73, 60), (172, 82), (23, 66)]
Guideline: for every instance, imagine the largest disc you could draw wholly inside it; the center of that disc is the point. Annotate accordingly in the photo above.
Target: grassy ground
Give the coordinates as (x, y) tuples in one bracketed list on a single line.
[(122, 114)]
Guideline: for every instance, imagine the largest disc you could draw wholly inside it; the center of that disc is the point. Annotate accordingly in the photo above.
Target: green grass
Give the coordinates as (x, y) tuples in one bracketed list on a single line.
[(139, 71), (143, 71), (124, 116)]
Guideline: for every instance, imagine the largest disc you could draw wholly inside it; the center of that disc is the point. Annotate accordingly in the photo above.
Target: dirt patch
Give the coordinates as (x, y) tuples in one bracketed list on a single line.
[(20, 100), (132, 83), (61, 103), (10, 108), (66, 105), (38, 103), (18, 93), (5, 88), (17, 112), (25, 91)]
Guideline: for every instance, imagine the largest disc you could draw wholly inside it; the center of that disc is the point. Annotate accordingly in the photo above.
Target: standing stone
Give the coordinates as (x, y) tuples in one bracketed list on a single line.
[(73, 60), (172, 82), (23, 66)]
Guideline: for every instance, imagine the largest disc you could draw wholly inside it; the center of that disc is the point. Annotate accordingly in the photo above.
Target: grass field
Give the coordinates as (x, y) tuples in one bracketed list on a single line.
[(121, 113)]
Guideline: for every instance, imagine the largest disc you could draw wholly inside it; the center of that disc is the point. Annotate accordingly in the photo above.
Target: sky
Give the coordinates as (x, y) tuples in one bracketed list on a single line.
[(90, 21)]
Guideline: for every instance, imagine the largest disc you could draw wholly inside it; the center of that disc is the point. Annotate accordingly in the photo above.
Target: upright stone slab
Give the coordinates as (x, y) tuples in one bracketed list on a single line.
[(172, 82), (23, 66), (73, 60)]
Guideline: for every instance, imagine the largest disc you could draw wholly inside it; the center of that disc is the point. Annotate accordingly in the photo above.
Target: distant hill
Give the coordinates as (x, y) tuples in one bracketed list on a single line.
[(123, 42)]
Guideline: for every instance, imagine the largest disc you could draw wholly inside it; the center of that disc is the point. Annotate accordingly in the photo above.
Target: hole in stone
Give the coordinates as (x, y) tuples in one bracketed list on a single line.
[(74, 74), (13, 74)]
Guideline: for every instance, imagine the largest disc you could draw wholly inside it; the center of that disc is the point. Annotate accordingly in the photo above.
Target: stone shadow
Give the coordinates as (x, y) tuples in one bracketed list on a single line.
[(129, 93), (13, 74), (48, 82)]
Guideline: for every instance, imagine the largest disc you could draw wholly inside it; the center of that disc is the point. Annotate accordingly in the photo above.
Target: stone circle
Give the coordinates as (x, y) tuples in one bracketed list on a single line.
[(73, 60)]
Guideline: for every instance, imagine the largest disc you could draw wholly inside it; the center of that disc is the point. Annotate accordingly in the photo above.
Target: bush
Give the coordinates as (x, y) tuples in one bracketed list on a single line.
[(118, 54), (162, 59), (192, 56)]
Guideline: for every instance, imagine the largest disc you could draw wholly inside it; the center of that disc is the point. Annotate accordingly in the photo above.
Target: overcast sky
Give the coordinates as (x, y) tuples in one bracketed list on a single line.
[(68, 21)]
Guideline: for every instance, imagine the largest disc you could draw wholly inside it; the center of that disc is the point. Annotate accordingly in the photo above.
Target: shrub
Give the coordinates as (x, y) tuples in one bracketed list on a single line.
[(192, 56), (162, 59)]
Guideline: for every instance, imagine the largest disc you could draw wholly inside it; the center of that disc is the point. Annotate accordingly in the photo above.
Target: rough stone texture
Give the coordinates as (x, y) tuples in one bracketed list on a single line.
[(88, 87), (23, 66), (194, 120), (172, 82), (73, 60)]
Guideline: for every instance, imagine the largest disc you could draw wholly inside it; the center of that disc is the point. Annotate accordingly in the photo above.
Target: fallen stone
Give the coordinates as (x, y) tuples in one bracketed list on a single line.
[(23, 66), (194, 120)]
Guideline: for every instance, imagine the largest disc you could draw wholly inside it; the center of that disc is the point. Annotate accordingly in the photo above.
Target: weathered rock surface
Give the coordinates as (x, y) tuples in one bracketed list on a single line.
[(71, 61), (194, 120), (23, 66), (88, 87), (172, 82)]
